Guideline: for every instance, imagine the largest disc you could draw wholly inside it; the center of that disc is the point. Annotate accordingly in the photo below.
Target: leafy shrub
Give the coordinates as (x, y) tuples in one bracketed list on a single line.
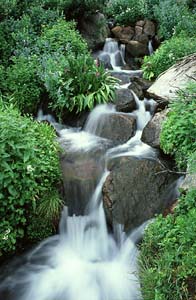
[(169, 18), (62, 37), (168, 261), (167, 55), (24, 84), (7, 7), (126, 12), (150, 8), (29, 177), (75, 83), (178, 136)]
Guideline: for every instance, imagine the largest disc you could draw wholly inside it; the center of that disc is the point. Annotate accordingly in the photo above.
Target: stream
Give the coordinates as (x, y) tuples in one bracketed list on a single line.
[(86, 261)]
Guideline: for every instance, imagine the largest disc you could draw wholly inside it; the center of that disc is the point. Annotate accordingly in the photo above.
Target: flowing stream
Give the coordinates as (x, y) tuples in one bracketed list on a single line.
[(85, 261)]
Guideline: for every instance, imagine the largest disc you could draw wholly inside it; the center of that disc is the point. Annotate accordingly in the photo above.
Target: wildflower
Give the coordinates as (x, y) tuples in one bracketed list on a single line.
[(30, 169)]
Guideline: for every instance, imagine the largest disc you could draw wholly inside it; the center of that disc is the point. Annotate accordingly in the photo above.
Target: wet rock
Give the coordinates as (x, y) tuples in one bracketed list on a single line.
[(136, 190), (95, 30), (81, 172), (151, 133), (117, 127), (139, 86), (124, 100), (125, 77), (104, 59), (168, 83), (136, 49)]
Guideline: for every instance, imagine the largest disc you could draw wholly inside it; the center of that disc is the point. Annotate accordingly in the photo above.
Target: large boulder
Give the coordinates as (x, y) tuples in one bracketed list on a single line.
[(95, 30), (136, 190), (136, 49), (124, 100), (151, 132), (168, 83), (123, 33), (149, 28), (117, 127)]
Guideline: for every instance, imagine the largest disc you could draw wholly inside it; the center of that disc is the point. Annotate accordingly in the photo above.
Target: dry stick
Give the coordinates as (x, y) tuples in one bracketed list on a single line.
[(168, 170)]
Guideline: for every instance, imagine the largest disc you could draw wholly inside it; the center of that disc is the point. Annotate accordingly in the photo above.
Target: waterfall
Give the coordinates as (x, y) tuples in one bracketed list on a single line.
[(85, 261), (113, 53), (150, 47)]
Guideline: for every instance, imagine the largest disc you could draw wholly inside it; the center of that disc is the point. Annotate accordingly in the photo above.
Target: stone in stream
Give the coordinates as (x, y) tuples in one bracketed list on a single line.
[(137, 49), (136, 190), (81, 172), (124, 100), (117, 127), (151, 132), (125, 77)]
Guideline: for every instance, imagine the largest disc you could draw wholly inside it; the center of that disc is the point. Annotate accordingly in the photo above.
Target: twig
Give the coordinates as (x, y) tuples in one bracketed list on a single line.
[(168, 170)]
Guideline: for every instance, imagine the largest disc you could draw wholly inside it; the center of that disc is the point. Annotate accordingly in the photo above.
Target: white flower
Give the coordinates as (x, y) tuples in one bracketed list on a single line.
[(7, 231), (30, 169)]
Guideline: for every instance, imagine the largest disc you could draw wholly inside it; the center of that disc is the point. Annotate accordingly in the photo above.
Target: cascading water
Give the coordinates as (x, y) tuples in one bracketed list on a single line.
[(84, 261), (114, 52), (150, 47)]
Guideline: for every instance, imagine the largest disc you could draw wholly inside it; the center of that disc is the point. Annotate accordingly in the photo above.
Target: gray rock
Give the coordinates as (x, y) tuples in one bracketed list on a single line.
[(125, 77), (139, 86), (80, 172), (117, 127), (124, 100), (95, 30), (168, 83), (151, 132), (136, 190), (189, 181), (104, 59)]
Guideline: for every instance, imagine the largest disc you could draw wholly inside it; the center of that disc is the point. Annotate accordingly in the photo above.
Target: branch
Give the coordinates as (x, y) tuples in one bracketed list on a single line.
[(168, 170)]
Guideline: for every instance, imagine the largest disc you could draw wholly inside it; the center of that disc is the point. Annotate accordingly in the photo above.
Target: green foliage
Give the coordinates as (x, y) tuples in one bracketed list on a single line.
[(62, 37), (23, 83), (178, 136), (75, 9), (75, 83), (7, 7), (167, 259), (168, 19), (29, 173), (126, 12), (168, 54)]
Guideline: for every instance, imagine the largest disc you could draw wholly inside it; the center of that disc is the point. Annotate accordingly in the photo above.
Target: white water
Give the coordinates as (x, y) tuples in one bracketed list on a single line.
[(115, 52), (84, 262), (96, 118), (150, 47)]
